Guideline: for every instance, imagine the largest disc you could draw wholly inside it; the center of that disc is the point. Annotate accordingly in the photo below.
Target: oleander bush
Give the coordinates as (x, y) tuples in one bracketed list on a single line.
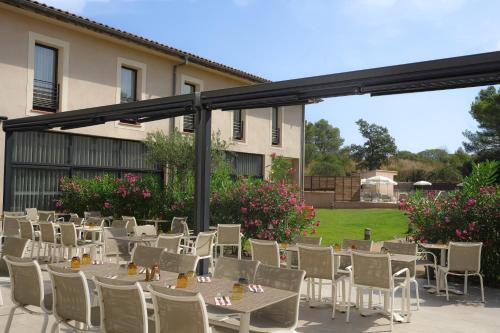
[(469, 214)]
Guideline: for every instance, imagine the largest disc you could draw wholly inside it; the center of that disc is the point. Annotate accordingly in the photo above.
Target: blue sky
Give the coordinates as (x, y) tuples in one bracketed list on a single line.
[(284, 39)]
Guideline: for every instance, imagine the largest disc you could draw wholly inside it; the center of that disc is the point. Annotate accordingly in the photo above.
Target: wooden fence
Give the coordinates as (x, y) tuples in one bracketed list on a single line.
[(345, 188)]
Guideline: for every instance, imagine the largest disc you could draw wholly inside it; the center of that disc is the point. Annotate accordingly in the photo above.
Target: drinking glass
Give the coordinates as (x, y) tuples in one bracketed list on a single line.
[(238, 291), (132, 269), (182, 280), (75, 262), (86, 260)]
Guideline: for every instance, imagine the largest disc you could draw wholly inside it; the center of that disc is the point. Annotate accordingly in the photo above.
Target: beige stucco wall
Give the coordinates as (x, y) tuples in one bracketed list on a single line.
[(90, 77)]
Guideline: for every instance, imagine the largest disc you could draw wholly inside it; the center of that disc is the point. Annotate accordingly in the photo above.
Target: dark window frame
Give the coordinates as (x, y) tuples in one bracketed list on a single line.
[(134, 85), (275, 127), (238, 125), (46, 93), (188, 121)]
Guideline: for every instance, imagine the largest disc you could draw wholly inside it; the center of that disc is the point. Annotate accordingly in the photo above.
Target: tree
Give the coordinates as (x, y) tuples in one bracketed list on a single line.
[(327, 165), (324, 137), (486, 111), (377, 149)]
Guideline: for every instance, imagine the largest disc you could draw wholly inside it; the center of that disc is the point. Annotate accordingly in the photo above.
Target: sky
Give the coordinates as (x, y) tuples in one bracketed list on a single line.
[(285, 39)]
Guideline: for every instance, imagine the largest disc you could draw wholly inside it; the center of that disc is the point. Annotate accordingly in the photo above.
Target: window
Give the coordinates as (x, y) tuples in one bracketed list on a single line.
[(245, 165), (276, 131), (188, 123), (128, 85), (238, 125), (45, 85)]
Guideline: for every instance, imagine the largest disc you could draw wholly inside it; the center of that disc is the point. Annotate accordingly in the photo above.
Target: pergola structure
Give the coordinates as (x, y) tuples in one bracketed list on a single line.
[(459, 72)]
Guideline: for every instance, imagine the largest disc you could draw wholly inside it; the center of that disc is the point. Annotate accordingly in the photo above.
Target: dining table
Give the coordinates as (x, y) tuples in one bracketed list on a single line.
[(156, 222), (137, 239), (250, 302)]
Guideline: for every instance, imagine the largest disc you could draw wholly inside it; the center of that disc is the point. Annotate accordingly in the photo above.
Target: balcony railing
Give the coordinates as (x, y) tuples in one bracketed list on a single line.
[(188, 124), (238, 130), (45, 95), (276, 136)]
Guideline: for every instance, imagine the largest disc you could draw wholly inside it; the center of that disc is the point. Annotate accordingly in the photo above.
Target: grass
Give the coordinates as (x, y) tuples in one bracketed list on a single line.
[(339, 224)]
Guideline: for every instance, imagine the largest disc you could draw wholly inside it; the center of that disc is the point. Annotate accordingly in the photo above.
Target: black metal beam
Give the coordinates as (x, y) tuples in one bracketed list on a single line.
[(203, 166)]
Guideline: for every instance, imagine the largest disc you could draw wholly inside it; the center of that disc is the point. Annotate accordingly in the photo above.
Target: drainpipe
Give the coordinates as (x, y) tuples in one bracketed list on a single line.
[(174, 86), (302, 151)]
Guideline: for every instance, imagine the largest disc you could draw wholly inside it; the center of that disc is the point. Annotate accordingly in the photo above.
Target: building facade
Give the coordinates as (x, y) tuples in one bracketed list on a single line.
[(54, 61)]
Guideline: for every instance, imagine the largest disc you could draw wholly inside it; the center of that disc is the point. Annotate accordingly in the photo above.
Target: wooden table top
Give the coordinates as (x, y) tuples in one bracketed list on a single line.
[(436, 246), (249, 303)]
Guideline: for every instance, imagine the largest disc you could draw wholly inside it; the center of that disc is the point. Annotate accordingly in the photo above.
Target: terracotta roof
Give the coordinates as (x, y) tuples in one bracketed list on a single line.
[(84, 22)]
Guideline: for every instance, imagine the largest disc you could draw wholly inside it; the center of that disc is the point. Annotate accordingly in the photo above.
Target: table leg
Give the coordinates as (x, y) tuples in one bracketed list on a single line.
[(245, 322), (157, 227)]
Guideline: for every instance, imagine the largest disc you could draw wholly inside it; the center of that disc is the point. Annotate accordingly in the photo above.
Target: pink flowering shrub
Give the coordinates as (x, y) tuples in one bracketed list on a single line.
[(139, 196), (470, 214)]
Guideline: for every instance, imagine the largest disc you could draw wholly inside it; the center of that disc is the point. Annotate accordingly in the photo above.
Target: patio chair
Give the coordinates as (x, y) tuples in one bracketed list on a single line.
[(464, 259), (14, 247), (234, 269), (27, 289), (178, 263), (179, 311), (114, 248), (47, 216), (228, 235), (267, 252), (305, 240), (120, 224), (93, 213), (171, 243), (176, 225), (319, 263), (132, 223), (409, 249), (145, 230), (32, 214), (146, 256), (203, 247), (77, 221), (72, 301), (27, 232), (96, 222), (11, 226), (49, 240), (423, 259), (359, 245), (122, 306), (373, 271), (70, 241), (11, 213), (282, 316)]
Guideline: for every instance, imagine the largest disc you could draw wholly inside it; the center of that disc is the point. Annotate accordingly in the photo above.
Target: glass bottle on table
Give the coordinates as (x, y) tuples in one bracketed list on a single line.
[(132, 269), (182, 280), (191, 277), (75, 262), (86, 260), (238, 291)]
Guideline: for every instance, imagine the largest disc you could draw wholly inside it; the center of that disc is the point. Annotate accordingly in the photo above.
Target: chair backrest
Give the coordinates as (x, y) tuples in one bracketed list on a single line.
[(147, 230), (47, 232), (228, 234), (120, 224), (176, 226), (132, 223), (403, 248), (310, 240), (123, 306), (68, 234), (316, 261), (234, 269), (46, 215), (361, 245), (171, 243), (464, 257), (71, 295), (204, 244), (178, 263), (285, 312), (11, 226), (146, 256), (179, 311), (32, 214), (371, 270), (76, 220), (8, 213), (267, 252), (26, 281), (95, 221), (14, 247), (26, 229), (114, 246), (90, 214)]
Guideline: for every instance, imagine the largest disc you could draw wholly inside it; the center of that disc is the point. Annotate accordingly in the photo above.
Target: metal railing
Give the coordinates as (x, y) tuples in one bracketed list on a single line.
[(188, 123), (276, 136), (238, 130), (45, 95)]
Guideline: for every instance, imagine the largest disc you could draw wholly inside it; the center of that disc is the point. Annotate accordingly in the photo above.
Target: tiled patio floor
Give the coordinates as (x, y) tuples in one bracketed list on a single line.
[(461, 314)]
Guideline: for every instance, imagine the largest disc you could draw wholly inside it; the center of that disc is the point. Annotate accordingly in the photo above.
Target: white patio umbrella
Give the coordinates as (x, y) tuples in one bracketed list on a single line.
[(422, 183), (380, 180)]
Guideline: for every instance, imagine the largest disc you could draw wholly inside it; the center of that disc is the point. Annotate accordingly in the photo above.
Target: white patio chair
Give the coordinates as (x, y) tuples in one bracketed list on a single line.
[(203, 247), (179, 311), (32, 214), (319, 263), (11, 226), (464, 259), (178, 263), (114, 248), (120, 224), (72, 301), (122, 306), (171, 243), (423, 259), (27, 289), (50, 240), (132, 223), (70, 241), (373, 271), (27, 232), (234, 269), (305, 240), (14, 247), (146, 256), (267, 252), (145, 230), (228, 235)]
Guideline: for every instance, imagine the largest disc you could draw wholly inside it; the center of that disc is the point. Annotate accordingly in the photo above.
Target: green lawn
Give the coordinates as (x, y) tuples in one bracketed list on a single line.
[(338, 224)]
